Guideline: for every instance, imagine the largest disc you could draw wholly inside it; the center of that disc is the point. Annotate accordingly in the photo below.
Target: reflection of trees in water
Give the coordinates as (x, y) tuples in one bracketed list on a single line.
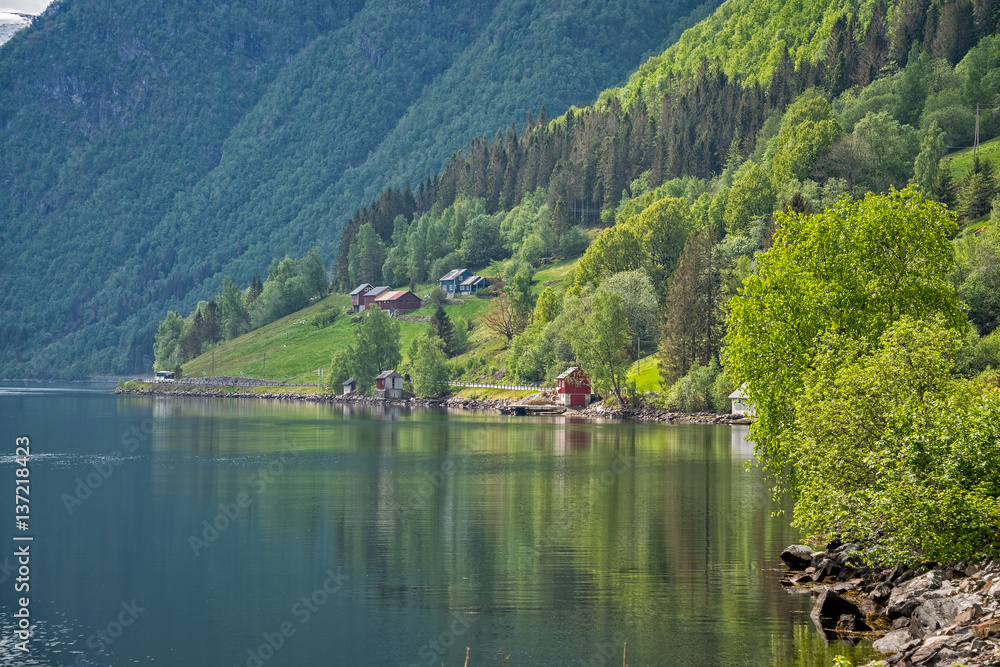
[(661, 526)]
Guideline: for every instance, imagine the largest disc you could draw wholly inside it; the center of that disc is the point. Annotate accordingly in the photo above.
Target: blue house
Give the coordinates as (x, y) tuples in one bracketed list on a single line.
[(472, 284), (450, 281)]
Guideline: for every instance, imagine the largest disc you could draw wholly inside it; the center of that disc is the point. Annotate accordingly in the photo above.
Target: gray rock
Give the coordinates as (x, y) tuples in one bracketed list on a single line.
[(830, 607), (893, 642), (928, 650), (797, 556), (941, 612), (905, 592)]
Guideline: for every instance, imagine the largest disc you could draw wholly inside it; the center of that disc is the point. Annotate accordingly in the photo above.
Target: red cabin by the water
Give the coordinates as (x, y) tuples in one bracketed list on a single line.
[(573, 387)]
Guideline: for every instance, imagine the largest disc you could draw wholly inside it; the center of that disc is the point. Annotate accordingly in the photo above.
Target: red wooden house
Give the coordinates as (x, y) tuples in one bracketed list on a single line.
[(368, 298), (397, 301), (357, 294), (573, 387)]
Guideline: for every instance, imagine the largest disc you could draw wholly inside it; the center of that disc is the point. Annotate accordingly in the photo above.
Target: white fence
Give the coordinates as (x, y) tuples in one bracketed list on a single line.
[(515, 387)]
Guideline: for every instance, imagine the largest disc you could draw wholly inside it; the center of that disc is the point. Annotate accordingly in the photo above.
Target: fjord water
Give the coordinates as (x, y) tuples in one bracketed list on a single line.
[(383, 536)]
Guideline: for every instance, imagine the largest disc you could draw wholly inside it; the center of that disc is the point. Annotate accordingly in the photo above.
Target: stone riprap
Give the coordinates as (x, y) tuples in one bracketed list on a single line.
[(938, 616)]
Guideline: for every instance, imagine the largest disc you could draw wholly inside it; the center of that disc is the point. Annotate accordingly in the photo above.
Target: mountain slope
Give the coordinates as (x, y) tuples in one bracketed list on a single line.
[(153, 149)]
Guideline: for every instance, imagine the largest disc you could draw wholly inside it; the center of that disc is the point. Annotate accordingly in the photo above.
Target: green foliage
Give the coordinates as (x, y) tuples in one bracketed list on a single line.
[(651, 240), (855, 270), (378, 342), (600, 341), (546, 308), (703, 389), (879, 153), (894, 451), (202, 140), (166, 347), (443, 329), (428, 366), (752, 196), (233, 305), (481, 241), (341, 369), (285, 291), (808, 130), (638, 303), (979, 286)]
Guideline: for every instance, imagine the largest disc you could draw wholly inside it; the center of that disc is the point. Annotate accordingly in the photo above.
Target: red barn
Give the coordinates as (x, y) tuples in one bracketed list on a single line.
[(398, 301), (573, 387), (368, 298)]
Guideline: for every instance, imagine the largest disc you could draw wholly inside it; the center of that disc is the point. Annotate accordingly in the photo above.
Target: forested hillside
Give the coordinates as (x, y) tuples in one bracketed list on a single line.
[(685, 167), (150, 149)]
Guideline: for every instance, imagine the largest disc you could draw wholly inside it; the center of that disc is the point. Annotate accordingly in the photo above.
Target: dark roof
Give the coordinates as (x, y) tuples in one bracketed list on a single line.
[(360, 288), (451, 275), (472, 280), (348, 381), (375, 291), (385, 374)]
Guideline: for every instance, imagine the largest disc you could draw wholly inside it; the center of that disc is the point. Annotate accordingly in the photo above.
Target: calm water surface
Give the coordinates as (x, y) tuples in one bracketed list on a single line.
[(253, 533)]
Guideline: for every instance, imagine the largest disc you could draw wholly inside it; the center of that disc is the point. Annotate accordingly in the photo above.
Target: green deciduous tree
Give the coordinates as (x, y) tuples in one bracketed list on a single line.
[(808, 130), (428, 366), (892, 450), (855, 270), (752, 196), (377, 346), (546, 308), (235, 316), (166, 346), (600, 343)]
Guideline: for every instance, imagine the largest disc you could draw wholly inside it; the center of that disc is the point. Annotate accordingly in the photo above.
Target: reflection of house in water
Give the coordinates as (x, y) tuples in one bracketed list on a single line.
[(568, 438), (740, 447)]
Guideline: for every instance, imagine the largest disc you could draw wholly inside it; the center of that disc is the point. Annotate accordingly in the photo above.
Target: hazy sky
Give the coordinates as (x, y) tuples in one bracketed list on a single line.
[(24, 6)]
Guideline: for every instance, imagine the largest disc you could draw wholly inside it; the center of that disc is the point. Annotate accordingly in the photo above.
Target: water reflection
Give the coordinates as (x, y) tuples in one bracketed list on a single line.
[(554, 539)]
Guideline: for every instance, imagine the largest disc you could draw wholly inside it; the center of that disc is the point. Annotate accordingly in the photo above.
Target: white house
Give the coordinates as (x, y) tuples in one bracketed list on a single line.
[(741, 405), (389, 384)]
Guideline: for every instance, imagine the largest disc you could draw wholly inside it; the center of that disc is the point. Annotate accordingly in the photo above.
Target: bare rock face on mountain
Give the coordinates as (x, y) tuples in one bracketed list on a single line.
[(12, 23)]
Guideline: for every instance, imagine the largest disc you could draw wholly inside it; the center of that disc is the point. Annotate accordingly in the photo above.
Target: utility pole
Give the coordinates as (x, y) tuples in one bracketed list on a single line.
[(213, 362), (263, 371), (975, 143)]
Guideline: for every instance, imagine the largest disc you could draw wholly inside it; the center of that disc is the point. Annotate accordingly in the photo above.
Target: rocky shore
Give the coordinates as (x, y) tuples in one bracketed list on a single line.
[(213, 388), (938, 616)]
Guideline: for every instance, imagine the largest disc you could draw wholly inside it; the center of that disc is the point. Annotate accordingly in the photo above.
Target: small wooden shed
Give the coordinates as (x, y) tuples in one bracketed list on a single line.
[(389, 384), (350, 386), (573, 388), (741, 405)]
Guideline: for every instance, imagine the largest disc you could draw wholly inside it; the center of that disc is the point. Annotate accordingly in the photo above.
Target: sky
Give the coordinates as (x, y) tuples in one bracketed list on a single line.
[(24, 6)]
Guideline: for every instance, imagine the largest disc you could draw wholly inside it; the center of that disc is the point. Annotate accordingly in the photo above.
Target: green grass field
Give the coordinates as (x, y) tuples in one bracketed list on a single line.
[(292, 349), (959, 164), (646, 375)]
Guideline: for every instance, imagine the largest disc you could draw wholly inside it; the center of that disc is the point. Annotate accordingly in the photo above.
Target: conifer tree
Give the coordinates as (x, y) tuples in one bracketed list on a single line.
[(442, 326)]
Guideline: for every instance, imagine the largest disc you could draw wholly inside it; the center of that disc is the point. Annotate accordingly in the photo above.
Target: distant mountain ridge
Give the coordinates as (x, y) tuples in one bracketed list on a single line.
[(153, 149)]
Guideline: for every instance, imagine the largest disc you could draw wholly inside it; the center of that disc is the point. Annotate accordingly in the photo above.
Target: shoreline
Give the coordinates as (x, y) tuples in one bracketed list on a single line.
[(598, 411), (938, 614)]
